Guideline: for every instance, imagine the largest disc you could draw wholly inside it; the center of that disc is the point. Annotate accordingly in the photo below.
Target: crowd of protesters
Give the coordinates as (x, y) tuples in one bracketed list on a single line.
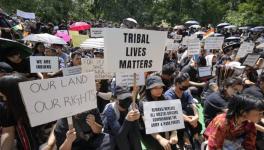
[(222, 111)]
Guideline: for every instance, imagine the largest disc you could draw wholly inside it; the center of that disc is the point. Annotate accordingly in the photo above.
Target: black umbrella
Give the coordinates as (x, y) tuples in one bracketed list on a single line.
[(9, 45)]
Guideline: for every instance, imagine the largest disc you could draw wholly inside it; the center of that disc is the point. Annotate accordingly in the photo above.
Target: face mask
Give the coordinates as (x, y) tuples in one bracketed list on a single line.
[(125, 103), (184, 88)]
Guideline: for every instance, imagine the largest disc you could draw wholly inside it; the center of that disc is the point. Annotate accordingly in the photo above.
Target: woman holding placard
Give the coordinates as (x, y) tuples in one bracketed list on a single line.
[(157, 141)]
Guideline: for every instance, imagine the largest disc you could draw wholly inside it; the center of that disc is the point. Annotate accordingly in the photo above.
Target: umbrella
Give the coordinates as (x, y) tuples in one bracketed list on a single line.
[(233, 38), (230, 27), (192, 22), (199, 33), (260, 46), (7, 45), (44, 38), (78, 26), (131, 20), (63, 36), (243, 28), (217, 34), (93, 43), (222, 25), (257, 29), (196, 26), (178, 27)]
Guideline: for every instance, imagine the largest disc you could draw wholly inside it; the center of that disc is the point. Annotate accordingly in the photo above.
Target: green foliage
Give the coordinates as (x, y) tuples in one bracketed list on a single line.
[(146, 12)]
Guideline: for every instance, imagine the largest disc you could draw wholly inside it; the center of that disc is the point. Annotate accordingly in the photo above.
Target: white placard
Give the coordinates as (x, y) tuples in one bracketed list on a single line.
[(204, 71), (163, 116), (96, 65), (97, 32), (214, 43), (194, 46), (44, 64), (251, 60), (171, 45), (72, 70), (134, 50), (27, 15), (177, 37), (127, 79), (51, 99), (245, 49)]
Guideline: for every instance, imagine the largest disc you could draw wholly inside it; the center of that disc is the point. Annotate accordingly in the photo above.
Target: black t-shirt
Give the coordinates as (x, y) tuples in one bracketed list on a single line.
[(6, 117), (254, 91), (192, 72), (214, 105)]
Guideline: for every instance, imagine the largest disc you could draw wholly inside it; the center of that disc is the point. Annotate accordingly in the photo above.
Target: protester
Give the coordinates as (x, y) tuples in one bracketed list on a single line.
[(190, 114), (38, 49), (157, 141), (235, 129)]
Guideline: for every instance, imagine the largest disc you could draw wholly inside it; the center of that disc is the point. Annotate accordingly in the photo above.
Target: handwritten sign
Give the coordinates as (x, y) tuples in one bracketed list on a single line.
[(194, 46), (72, 70), (126, 79), (134, 50), (204, 71), (251, 60), (245, 49), (97, 32), (51, 99), (44, 64), (214, 43), (163, 116), (96, 65), (27, 15)]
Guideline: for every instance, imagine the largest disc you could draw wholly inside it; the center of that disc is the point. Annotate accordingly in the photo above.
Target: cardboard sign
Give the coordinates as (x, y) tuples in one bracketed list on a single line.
[(163, 116), (134, 50), (27, 15), (77, 38), (125, 79), (72, 70), (97, 66), (97, 32), (194, 46), (204, 71), (213, 43), (51, 99), (245, 49), (251, 60), (44, 64)]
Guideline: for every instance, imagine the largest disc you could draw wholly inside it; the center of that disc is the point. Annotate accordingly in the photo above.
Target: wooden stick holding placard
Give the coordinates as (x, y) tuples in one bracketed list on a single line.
[(70, 122), (134, 96)]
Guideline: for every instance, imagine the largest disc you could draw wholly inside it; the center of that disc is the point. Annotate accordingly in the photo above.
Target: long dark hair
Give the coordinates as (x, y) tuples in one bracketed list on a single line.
[(150, 98), (243, 103), (35, 49), (9, 87), (229, 82)]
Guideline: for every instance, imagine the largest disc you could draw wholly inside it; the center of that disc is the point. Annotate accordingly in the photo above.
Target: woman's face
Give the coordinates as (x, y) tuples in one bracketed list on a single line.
[(156, 91), (253, 116), (41, 48)]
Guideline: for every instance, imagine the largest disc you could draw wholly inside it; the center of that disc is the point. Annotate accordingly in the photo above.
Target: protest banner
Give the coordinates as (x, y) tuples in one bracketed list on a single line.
[(72, 70), (245, 49), (77, 39), (213, 43), (204, 71), (126, 79), (134, 50), (194, 46), (44, 64), (97, 32), (251, 60), (51, 99), (97, 66), (27, 15), (163, 116)]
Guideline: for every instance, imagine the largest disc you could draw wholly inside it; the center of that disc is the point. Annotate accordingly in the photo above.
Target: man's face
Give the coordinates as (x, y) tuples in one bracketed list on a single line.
[(48, 52)]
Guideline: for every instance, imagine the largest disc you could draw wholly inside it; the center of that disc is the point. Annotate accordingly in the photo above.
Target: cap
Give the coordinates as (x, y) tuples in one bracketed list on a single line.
[(153, 81), (122, 92)]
